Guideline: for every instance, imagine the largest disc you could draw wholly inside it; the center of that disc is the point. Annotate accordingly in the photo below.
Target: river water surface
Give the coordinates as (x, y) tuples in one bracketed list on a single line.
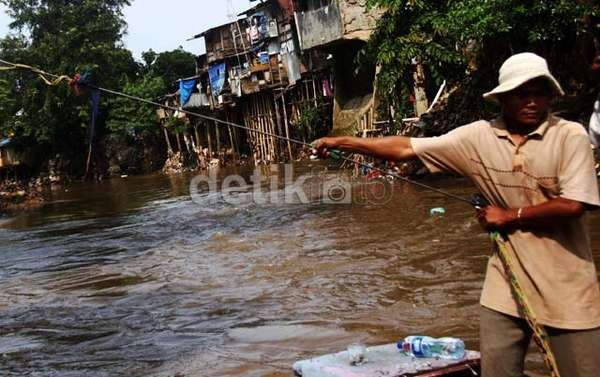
[(133, 277)]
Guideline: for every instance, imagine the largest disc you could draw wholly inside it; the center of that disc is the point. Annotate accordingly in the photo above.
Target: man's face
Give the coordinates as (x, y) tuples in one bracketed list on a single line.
[(527, 106)]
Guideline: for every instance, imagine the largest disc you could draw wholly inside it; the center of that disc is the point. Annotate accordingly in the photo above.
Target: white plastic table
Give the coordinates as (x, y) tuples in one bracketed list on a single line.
[(384, 361)]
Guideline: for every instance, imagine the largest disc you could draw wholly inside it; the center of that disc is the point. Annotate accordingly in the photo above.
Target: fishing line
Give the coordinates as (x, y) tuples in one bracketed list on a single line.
[(476, 201), (334, 154)]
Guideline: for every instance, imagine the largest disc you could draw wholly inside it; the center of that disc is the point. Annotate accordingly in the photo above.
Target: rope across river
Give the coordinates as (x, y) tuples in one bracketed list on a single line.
[(539, 333)]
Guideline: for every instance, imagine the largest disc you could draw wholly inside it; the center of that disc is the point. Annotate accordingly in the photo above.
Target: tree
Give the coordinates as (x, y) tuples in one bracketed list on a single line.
[(7, 110), (63, 37), (132, 117), (157, 76), (466, 41), (174, 65)]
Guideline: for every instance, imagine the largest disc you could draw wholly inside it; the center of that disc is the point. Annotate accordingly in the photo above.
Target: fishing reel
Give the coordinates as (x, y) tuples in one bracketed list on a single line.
[(479, 201)]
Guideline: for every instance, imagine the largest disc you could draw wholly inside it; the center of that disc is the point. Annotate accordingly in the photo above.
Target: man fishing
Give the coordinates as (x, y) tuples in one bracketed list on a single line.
[(537, 171)]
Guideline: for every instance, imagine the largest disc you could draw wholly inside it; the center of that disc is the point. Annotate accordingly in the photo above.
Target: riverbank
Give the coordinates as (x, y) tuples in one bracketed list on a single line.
[(17, 196)]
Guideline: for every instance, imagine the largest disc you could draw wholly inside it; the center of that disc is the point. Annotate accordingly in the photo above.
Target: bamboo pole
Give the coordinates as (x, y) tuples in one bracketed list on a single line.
[(251, 135), (315, 91), (287, 127), (236, 138), (261, 137), (232, 145), (169, 147), (198, 141), (231, 139), (272, 129), (278, 120), (236, 144), (186, 139), (178, 136), (252, 125), (218, 139), (209, 140), (261, 127)]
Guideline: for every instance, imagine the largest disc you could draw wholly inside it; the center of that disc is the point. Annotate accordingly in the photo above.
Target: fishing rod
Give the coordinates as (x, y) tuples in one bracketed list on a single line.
[(335, 154), (477, 200)]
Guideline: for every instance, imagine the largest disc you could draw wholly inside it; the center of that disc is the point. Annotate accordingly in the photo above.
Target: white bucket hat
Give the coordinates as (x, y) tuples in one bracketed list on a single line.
[(517, 70)]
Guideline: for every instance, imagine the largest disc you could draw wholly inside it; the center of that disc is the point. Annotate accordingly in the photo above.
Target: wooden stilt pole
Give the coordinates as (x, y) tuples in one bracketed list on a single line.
[(169, 147), (208, 138), (218, 139), (178, 142), (259, 136), (231, 140), (198, 141), (274, 144), (278, 118), (263, 137), (315, 92), (287, 127)]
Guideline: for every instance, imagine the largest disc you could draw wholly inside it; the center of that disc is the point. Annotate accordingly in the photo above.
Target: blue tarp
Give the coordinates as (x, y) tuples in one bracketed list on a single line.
[(186, 87), (216, 73), (5, 142), (95, 101)]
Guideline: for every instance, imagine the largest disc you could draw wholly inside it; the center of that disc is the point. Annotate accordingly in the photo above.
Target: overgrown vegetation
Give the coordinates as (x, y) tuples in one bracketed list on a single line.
[(69, 37), (465, 41)]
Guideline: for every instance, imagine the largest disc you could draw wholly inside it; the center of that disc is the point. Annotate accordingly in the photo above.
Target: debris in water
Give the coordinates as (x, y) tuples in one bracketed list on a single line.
[(438, 211)]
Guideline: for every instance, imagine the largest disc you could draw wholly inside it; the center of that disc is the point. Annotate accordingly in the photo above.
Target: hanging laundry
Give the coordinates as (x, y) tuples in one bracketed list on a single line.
[(292, 65), (186, 87), (253, 33), (273, 29), (216, 73), (236, 86), (259, 27)]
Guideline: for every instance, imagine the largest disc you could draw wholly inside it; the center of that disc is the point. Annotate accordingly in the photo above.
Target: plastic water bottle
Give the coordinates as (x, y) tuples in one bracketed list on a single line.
[(425, 346)]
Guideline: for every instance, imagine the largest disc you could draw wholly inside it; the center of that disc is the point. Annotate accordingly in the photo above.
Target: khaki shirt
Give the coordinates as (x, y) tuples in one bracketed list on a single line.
[(554, 265)]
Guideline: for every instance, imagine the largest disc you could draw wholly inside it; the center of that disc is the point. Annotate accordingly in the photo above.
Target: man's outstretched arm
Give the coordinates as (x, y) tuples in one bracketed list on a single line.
[(391, 148)]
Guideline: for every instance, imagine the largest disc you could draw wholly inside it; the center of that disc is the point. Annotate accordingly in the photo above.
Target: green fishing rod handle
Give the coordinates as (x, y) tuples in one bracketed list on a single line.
[(335, 154)]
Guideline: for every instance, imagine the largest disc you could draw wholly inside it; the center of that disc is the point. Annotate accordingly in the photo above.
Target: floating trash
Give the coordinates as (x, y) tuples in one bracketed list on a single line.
[(437, 211)]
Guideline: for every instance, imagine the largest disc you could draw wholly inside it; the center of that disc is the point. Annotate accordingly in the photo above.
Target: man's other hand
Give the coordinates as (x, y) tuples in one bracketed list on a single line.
[(496, 218)]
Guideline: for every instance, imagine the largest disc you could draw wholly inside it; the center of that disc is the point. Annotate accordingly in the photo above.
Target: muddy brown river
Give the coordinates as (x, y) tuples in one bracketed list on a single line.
[(135, 277)]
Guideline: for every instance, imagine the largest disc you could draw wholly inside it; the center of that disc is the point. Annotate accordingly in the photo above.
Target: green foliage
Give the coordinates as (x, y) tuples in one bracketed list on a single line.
[(171, 65), (176, 125), (132, 117), (460, 40), (7, 110), (62, 37), (157, 77), (314, 121)]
